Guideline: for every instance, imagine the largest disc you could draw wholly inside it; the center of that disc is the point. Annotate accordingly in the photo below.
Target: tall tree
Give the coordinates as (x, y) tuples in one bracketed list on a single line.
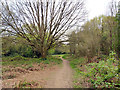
[(72, 42), (93, 38), (118, 29), (111, 22), (45, 22)]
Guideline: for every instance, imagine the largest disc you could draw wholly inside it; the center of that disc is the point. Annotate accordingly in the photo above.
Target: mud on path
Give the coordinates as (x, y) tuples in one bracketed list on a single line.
[(58, 76)]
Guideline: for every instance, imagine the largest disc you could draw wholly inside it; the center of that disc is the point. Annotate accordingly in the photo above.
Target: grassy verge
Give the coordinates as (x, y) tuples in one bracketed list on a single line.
[(78, 65), (19, 60)]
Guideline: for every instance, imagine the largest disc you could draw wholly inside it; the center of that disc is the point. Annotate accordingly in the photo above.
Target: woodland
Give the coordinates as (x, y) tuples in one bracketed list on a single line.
[(37, 34)]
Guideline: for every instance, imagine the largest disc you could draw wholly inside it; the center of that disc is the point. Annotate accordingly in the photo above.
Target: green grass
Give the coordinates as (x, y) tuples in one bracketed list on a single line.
[(19, 60), (77, 62), (74, 62), (65, 56)]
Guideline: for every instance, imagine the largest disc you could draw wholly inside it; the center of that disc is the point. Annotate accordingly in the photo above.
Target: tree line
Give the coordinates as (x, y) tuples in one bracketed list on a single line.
[(97, 37), (38, 28)]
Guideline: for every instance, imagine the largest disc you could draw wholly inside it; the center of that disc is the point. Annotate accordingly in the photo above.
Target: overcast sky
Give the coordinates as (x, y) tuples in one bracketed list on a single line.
[(97, 7), (94, 7)]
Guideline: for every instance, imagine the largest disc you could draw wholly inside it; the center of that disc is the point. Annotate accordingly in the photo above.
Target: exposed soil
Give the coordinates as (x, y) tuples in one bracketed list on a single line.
[(57, 76)]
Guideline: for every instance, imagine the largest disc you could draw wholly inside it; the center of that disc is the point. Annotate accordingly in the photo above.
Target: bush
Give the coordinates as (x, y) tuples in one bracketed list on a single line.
[(104, 73)]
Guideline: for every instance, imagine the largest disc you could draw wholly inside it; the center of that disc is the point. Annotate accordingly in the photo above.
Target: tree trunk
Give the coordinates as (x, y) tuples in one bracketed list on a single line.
[(111, 38), (44, 53)]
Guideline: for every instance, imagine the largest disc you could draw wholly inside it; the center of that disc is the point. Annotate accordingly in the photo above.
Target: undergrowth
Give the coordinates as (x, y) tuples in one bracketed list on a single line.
[(103, 74)]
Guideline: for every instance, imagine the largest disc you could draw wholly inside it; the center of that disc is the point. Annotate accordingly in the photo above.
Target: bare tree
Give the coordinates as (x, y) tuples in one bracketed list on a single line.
[(40, 23), (118, 31), (111, 22), (113, 8)]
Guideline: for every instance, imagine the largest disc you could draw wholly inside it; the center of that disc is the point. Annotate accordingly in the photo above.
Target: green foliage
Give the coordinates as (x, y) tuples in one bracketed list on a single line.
[(56, 60), (18, 46), (13, 46), (118, 31), (65, 56), (104, 73), (86, 41), (78, 61), (96, 37), (19, 60), (59, 52), (61, 49)]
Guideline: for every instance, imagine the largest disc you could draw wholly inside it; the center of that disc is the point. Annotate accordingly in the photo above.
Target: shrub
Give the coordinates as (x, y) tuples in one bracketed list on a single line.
[(104, 73)]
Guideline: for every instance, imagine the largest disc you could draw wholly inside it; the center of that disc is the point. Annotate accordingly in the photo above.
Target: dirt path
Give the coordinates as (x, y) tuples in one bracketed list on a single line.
[(62, 78), (54, 77)]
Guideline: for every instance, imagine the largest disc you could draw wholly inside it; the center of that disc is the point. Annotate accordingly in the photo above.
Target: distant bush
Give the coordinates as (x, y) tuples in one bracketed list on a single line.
[(17, 46)]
